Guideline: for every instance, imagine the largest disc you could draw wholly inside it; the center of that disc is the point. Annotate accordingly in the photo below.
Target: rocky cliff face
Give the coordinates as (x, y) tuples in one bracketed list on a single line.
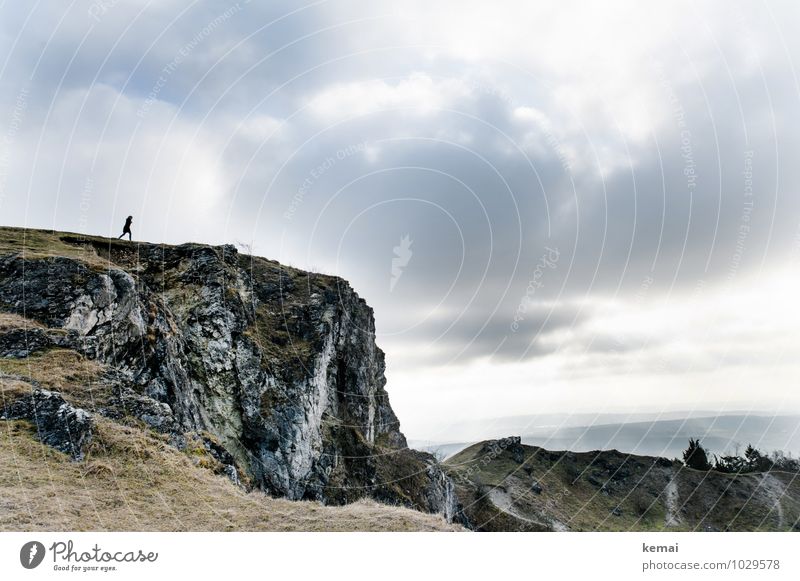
[(276, 370)]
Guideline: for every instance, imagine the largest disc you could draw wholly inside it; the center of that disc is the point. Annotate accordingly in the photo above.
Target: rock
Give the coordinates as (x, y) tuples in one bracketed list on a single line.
[(513, 445), (221, 455), (595, 481), (19, 343), (493, 448), (616, 511), (416, 480), (278, 365), (536, 487), (157, 415), (440, 493), (233, 474), (43, 289), (58, 424)]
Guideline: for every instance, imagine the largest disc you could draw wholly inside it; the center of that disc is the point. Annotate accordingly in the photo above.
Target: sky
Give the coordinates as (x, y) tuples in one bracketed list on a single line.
[(552, 207)]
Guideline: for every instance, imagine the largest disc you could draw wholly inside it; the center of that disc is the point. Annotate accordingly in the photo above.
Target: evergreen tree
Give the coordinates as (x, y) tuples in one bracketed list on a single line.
[(695, 456), (756, 461)]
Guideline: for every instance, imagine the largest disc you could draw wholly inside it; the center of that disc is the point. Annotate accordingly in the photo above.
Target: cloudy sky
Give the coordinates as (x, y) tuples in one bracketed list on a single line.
[(552, 207)]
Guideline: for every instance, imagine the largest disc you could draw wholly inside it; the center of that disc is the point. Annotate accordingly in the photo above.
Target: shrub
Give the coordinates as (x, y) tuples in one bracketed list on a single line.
[(730, 464), (642, 502), (695, 456), (756, 461)]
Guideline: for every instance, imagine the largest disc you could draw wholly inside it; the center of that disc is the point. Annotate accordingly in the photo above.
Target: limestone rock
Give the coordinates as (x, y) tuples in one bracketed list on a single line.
[(20, 343), (58, 424)]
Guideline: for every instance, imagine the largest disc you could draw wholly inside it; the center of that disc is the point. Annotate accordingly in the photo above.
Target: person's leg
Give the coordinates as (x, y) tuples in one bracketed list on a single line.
[(121, 235), (130, 236)]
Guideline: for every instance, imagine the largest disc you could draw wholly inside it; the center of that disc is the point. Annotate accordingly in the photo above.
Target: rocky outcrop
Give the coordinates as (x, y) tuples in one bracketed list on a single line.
[(58, 424), (155, 414), (19, 343), (280, 366)]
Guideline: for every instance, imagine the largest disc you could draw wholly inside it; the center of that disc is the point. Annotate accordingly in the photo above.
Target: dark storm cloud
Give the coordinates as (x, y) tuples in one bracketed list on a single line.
[(516, 338)]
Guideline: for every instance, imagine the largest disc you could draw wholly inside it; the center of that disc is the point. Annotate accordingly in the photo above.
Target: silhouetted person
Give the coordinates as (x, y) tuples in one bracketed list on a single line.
[(127, 229)]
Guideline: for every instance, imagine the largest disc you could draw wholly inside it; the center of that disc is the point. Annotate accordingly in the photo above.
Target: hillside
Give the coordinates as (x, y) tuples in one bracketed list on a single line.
[(503, 485), (171, 377), (132, 480)]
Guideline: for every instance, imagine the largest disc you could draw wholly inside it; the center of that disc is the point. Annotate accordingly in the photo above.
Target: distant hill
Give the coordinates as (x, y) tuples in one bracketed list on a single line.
[(475, 430), (663, 437), (503, 485), (719, 434)]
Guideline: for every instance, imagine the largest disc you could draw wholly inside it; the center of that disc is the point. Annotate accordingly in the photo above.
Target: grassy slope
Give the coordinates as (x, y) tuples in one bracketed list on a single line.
[(615, 491), (43, 244), (131, 479), (100, 252)]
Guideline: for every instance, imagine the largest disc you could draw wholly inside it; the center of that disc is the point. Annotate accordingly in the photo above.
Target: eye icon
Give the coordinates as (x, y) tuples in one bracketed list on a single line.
[(31, 554)]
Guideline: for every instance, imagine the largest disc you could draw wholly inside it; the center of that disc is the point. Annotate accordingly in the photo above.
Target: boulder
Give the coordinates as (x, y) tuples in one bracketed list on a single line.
[(58, 424)]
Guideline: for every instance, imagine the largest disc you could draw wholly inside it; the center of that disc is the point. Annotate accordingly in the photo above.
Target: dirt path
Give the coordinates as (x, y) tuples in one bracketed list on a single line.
[(502, 500), (671, 518), (775, 490)]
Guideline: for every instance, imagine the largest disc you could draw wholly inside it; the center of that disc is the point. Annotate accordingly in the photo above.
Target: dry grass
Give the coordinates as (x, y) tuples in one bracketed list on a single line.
[(12, 389), (47, 244), (133, 481), (62, 370), (10, 321)]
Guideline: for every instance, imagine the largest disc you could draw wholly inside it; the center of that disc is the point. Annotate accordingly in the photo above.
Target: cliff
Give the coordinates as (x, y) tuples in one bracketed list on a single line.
[(270, 372)]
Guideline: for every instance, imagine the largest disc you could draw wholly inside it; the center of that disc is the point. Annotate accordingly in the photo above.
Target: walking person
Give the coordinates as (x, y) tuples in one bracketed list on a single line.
[(127, 229)]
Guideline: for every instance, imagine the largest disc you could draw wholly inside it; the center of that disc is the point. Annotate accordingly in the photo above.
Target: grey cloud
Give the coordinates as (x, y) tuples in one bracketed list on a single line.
[(456, 338), (410, 180)]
